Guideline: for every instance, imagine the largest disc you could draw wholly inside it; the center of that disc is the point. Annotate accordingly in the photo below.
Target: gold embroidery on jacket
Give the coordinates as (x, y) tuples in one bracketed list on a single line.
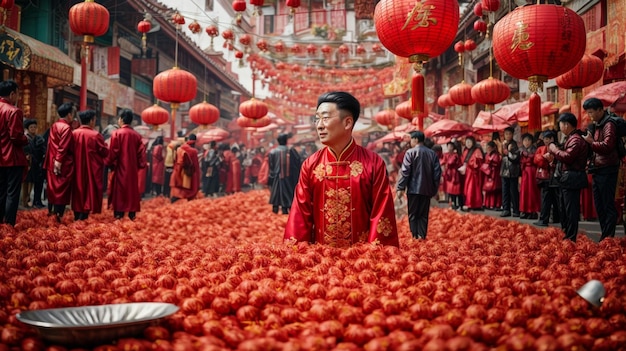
[(356, 168), (319, 172), (384, 226), (337, 231)]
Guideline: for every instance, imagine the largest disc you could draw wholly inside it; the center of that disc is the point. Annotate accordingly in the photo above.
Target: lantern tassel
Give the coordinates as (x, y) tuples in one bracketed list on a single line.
[(534, 113), (417, 93)]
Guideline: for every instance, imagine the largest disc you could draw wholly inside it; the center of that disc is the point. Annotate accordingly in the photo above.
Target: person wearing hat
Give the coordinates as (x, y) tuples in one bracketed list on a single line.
[(127, 154), (546, 182), (284, 169), (13, 160), (343, 195), (35, 152), (185, 181), (571, 161)]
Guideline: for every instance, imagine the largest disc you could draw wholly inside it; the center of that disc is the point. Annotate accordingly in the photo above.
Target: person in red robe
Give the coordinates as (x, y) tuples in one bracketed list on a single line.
[(232, 170), (343, 196), (185, 181), (492, 182), (549, 187), (127, 155), (90, 151), (451, 176), (158, 165), (472, 187), (530, 197), (59, 162)]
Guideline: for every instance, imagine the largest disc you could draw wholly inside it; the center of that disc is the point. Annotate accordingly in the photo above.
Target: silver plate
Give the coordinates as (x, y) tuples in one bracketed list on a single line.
[(91, 325)]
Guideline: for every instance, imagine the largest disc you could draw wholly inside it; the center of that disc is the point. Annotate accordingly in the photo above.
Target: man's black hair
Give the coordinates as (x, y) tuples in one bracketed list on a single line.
[(7, 87), (65, 109), (593, 103), (568, 117), (127, 116), (86, 116), (344, 101)]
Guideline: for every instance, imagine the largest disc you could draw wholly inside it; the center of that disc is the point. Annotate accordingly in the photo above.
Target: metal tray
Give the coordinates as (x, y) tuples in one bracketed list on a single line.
[(92, 325)]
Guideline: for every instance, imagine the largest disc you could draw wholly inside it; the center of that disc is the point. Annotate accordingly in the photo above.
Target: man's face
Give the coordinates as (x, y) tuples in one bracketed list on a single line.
[(330, 127), (413, 142), (565, 127), (32, 129), (508, 135), (595, 115)]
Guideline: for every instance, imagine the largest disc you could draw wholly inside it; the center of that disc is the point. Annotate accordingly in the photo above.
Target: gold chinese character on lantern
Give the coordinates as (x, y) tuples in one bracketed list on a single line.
[(419, 16), (520, 37)]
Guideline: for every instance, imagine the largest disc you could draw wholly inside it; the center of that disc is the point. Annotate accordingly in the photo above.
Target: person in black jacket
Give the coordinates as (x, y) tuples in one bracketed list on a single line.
[(419, 176), (35, 152), (284, 171)]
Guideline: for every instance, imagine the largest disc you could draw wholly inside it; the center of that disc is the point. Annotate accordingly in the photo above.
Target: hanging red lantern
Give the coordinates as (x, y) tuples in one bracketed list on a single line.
[(377, 48), (89, 19), (461, 94), (478, 9), (253, 108), (228, 36), (279, 47), (326, 49), (258, 4), (490, 5), (490, 91), (212, 32), (7, 4), (296, 49), (386, 118), (155, 115), (459, 47), (470, 45), (175, 86), (262, 45), (537, 43), (195, 27), (204, 114), (588, 71), (480, 26), (419, 30), (293, 4), (239, 6), (245, 122), (360, 50), (178, 19), (144, 27), (404, 110), (343, 49), (444, 101), (239, 56), (245, 39), (311, 49)]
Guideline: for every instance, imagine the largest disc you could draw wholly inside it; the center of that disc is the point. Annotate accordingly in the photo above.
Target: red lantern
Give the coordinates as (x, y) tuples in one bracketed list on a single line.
[(294, 4), (228, 36), (245, 39), (419, 30), (239, 5), (478, 9), (7, 4), (295, 68), (245, 122), (89, 19), (445, 101), (279, 47), (404, 110), (386, 118), (461, 94), (253, 109), (343, 49), (178, 19), (144, 27), (470, 45), (262, 45), (258, 4), (588, 71), (155, 115), (490, 91), (537, 43), (459, 47), (480, 26), (296, 49), (195, 27), (376, 48), (204, 114), (490, 5), (311, 49), (175, 86), (360, 50), (326, 49), (212, 31)]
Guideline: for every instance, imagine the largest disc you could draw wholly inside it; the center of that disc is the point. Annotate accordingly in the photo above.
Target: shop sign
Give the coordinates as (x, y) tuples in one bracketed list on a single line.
[(14, 52)]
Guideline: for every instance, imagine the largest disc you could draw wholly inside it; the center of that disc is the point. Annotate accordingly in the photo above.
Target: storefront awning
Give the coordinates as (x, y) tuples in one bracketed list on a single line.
[(25, 53)]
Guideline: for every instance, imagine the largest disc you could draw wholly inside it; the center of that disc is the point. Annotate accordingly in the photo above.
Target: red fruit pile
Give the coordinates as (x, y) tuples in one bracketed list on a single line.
[(477, 283)]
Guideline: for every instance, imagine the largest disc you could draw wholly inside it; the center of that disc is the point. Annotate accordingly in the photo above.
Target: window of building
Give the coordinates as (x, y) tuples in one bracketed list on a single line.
[(125, 71), (552, 93)]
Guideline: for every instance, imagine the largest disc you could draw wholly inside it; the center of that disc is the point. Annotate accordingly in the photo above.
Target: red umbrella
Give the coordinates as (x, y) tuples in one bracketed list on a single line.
[(212, 134), (391, 137), (613, 94), (447, 128), (486, 123)]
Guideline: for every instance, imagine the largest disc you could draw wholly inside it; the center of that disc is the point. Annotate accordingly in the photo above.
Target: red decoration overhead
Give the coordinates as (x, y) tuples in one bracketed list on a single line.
[(7, 4), (262, 45), (326, 49), (417, 92), (239, 5), (418, 30), (311, 49), (204, 114), (89, 19), (293, 4), (490, 91), (212, 31), (343, 49), (155, 115), (245, 39), (296, 49), (178, 19), (228, 36), (258, 4), (534, 112), (588, 71), (175, 86), (386, 118), (480, 26), (195, 27), (404, 110), (459, 47), (245, 122), (253, 108), (490, 5), (360, 50), (470, 45), (461, 94), (478, 9), (279, 47), (445, 101), (376, 48), (144, 27)]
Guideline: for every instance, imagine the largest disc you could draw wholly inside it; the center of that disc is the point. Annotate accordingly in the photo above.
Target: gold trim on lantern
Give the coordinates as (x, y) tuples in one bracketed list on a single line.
[(536, 83), (418, 61), (89, 39)]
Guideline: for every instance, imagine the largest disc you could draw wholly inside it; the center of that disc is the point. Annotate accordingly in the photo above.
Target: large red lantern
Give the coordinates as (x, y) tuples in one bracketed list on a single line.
[(245, 122), (461, 94), (419, 30), (253, 108), (240, 7), (174, 86), (537, 43), (204, 114), (155, 115), (588, 71), (445, 101), (490, 91), (386, 118), (404, 110)]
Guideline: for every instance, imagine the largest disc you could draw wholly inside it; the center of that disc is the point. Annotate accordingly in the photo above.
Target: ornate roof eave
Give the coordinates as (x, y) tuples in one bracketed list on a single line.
[(214, 66)]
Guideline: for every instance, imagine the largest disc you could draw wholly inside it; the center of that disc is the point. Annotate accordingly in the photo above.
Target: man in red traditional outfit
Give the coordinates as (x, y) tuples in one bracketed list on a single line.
[(343, 196), (90, 151), (127, 154), (185, 181), (158, 165), (12, 157), (232, 169), (60, 161)]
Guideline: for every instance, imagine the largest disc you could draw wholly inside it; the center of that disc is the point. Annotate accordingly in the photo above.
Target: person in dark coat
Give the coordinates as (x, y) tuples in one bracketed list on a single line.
[(284, 170), (35, 152)]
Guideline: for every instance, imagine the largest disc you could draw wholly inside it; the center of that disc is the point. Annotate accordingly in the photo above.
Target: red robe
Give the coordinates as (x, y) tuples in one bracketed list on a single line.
[(473, 186), (529, 195), (90, 151), (493, 196), (587, 207), (158, 165), (60, 148), (451, 175), (232, 166), (343, 200), (185, 181), (127, 155)]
